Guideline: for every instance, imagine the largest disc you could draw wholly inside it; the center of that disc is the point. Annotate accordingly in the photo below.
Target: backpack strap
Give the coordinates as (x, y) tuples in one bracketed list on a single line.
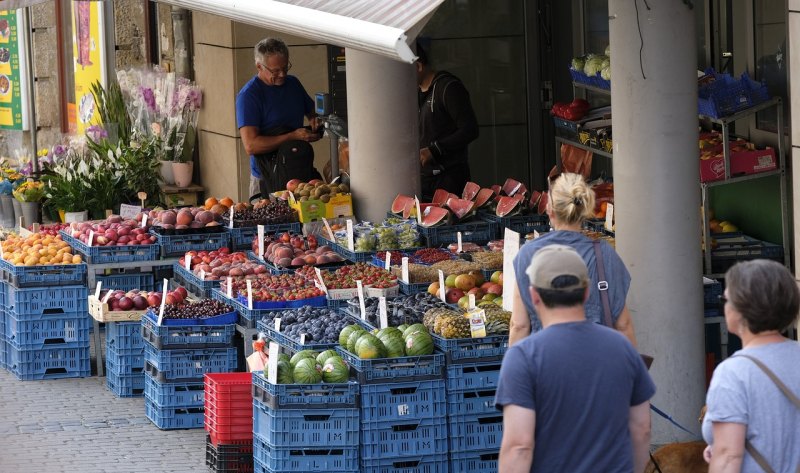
[(602, 284)]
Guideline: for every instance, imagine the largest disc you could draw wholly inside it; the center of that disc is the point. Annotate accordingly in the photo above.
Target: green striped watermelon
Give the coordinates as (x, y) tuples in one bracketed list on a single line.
[(370, 347), (346, 333), (306, 372), (419, 343), (335, 370)]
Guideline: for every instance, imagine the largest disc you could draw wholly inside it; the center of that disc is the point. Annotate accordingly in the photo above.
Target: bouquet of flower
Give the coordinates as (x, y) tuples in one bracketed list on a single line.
[(10, 179), (29, 191)]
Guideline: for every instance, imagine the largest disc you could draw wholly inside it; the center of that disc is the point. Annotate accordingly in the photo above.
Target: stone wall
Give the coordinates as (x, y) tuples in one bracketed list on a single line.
[(130, 26)]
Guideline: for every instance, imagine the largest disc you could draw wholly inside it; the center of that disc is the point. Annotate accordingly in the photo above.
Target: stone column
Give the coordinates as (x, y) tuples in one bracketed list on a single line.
[(383, 132), (657, 195), (793, 21)]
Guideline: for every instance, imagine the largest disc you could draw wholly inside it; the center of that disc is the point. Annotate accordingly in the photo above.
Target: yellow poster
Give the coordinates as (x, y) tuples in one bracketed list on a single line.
[(88, 51)]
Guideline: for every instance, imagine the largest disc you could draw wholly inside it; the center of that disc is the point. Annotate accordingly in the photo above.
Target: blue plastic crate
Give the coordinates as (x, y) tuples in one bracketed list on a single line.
[(471, 402), (463, 350), (128, 363), (395, 370), (44, 275), (522, 224), (178, 245), (112, 254), (192, 282), (188, 365), (3, 352), (242, 237), (474, 461), (596, 80), (177, 337), (474, 432), (413, 288), (734, 247), (318, 458), (401, 438), (171, 418), (467, 376), (476, 232), (412, 464), (124, 337), (403, 401), (127, 281), (58, 331), (37, 303), (49, 363), (712, 312), (354, 256), (304, 396), (173, 394), (247, 317), (711, 293), (301, 428), (126, 385)]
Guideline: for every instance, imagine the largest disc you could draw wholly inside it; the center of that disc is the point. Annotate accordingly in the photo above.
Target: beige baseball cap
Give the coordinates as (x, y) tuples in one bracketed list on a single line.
[(554, 261)]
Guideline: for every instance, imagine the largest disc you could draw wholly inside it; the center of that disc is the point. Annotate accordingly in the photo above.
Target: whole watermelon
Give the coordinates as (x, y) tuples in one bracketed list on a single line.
[(369, 347), (335, 370), (302, 354), (353, 338), (285, 375), (402, 328), (395, 346), (345, 333), (414, 329), (418, 344), (305, 372), (325, 355), (283, 357)]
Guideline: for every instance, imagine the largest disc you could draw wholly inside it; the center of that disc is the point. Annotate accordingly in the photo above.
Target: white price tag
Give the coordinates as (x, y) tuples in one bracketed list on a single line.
[(441, 286), (261, 230), (387, 265), (230, 222), (459, 247), (404, 270), (320, 283), (144, 220), (277, 323), (272, 363), (187, 262), (510, 250), (97, 289), (351, 245), (163, 301), (91, 237), (471, 301), (361, 304), (202, 275), (610, 217), (328, 229), (419, 212), (302, 339), (128, 212), (249, 294), (107, 296), (384, 317), (230, 287)]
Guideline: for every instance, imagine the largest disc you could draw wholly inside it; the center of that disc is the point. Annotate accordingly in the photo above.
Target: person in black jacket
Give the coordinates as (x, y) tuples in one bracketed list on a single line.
[(447, 125)]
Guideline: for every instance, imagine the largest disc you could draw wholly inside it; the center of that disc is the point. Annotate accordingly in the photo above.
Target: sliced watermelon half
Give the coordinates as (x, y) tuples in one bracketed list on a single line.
[(461, 208), (434, 216), (470, 191), (542, 206), (508, 206), (496, 189), (511, 186), (483, 198), (533, 204), (410, 210), (440, 197), (400, 203)]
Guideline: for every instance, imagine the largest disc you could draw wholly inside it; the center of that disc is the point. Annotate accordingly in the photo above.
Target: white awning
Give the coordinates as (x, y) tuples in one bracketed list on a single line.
[(15, 4), (384, 27)]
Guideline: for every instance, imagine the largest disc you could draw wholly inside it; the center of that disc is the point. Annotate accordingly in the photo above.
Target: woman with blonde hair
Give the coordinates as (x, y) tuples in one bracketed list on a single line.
[(570, 202)]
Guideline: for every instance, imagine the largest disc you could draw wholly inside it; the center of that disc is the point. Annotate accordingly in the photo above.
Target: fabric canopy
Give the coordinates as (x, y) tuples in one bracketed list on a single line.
[(15, 4), (384, 27)]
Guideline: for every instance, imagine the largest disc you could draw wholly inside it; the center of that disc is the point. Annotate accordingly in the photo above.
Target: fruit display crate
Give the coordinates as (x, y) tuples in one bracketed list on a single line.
[(474, 432), (124, 364), (127, 281), (465, 350), (395, 370), (58, 331), (595, 80), (473, 376), (48, 363), (413, 288), (522, 224), (184, 337), (112, 254), (411, 464), (220, 319), (289, 460), (397, 402), (297, 428), (126, 385), (192, 282), (43, 275), (401, 438), (242, 237), (178, 245), (247, 317), (173, 394), (37, 303), (174, 366), (474, 461), (734, 247), (101, 312), (471, 402), (291, 342), (124, 336), (305, 396), (476, 232), (167, 418), (230, 458)]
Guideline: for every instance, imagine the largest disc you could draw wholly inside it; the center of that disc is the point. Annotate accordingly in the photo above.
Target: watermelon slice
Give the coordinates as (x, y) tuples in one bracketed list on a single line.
[(433, 216), (511, 186), (508, 206), (410, 210), (542, 207), (461, 208), (534, 202), (440, 197), (483, 197), (496, 189), (470, 191), (400, 203)]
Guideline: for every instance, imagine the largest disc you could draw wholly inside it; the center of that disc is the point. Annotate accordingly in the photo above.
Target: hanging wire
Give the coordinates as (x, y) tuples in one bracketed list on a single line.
[(641, 38)]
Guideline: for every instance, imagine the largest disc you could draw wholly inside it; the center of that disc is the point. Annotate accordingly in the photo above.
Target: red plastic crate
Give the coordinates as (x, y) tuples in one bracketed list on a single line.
[(229, 407), (228, 385), (229, 434)]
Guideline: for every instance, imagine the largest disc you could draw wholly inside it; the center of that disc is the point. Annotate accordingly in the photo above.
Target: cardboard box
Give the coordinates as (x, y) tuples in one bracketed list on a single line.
[(742, 163), (340, 205)]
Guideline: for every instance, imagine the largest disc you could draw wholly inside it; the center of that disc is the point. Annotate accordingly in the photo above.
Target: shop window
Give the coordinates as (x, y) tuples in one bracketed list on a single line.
[(769, 17)]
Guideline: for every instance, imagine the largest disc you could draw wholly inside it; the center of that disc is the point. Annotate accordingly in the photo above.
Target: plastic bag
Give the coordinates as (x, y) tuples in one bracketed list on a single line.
[(576, 160)]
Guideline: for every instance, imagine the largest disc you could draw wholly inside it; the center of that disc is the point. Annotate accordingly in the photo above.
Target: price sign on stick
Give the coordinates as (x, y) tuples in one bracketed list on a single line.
[(387, 264), (277, 324), (230, 288), (510, 250), (107, 296), (261, 242), (320, 283), (302, 339), (471, 301), (610, 217), (328, 229), (419, 212), (350, 239), (361, 304), (91, 237), (230, 222), (460, 247), (249, 294), (163, 301), (441, 286), (272, 363), (202, 275), (97, 289), (187, 262), (144, 220), (384, 317), (404, 270)]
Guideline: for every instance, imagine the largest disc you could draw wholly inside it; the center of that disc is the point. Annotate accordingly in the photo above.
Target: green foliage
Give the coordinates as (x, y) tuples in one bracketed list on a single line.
[(111, 108)]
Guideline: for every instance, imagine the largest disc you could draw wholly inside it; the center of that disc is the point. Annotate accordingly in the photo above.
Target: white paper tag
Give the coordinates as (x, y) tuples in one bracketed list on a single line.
[(97, 289), (91, 237), (471, 301), (510, 250), (261, 230), (230, 287), (404, 270), (249, 294), (128, 212), (277, 323), (610, 217), (361, 304), (441, 286), (387, 265), (144, 220), (107, 296), (202, 275), (302, 339), (272, 363), (459, 247), (163, 301), (230, 222), (187, 262), (328, 229), (384, 317), (350, 240), (320, 283), (419, 212)]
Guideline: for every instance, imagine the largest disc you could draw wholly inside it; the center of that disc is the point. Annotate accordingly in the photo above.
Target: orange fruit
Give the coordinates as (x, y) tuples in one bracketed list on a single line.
[(210, 202), (227, 202)]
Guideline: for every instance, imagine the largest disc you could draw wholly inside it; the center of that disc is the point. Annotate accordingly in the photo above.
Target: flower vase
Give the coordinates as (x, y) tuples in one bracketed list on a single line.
[(30, 213), (183, 173), (166, 172), (17, 211), (7, 207)]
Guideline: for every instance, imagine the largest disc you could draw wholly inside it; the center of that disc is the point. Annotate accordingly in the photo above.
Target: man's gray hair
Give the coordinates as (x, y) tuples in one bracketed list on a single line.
[(270, 47)]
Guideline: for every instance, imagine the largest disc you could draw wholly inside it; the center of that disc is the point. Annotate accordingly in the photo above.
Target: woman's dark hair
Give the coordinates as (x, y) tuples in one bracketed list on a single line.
[(765, 293)]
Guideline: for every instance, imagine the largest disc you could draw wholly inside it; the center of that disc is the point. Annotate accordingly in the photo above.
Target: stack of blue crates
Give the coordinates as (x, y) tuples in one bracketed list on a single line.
[(125, 359), (175, 359), (299, 428), (3, 343), (46, 330)]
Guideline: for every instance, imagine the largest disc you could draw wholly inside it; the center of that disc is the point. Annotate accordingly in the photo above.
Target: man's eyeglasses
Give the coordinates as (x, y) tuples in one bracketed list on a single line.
[(277, 72)]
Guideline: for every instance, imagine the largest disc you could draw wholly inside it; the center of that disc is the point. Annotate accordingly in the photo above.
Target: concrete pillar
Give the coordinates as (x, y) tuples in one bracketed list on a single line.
[(793, 159), (657, 196), (383, 132)]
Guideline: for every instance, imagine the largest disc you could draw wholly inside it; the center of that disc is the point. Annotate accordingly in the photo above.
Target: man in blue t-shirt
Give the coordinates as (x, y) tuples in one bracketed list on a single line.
[(575, 396), (271, 106)]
